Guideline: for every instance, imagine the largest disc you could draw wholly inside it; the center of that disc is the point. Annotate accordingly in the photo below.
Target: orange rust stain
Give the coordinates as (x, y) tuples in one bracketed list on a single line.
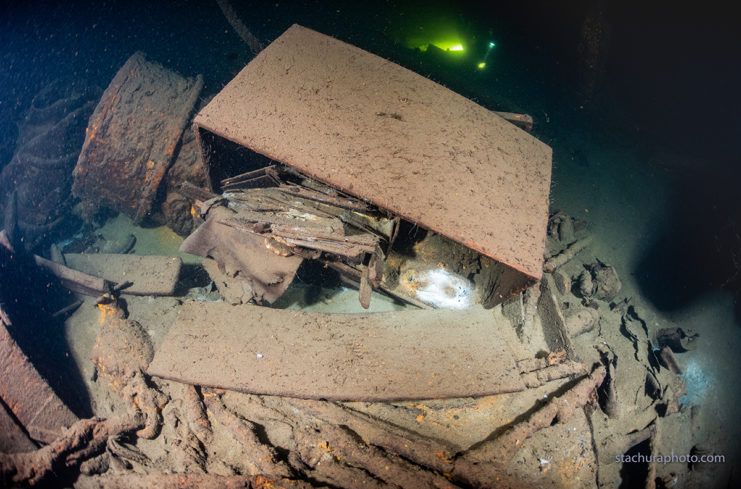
[(441, 455), (106, 311)]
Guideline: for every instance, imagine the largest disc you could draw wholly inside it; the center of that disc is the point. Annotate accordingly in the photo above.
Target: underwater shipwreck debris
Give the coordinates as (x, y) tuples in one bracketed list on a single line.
[(599, 281), (380, 356), (265, 272), (150, 275), (290, 442), (132, 138), (567, 255), (678, 340), (581, 321), (260, 458), (38, 176), (555, 329), (668, 360), (75, 280), (26, 394), (486, 458), (121, 354), (83, 440), (98, 273), (537, 371), (320, 124)]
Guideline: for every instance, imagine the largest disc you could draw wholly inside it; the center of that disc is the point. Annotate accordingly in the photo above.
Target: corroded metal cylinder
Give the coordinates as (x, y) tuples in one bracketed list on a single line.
[(133, 136)]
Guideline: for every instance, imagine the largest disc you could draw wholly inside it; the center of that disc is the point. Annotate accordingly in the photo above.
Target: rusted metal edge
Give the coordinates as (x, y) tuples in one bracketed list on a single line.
[(27, 395)]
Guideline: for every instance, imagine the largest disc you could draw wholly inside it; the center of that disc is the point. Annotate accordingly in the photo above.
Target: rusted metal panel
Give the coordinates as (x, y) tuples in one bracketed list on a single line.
[(132, 136), (13, 438), (27, 395), (380, 132), (383, 356)]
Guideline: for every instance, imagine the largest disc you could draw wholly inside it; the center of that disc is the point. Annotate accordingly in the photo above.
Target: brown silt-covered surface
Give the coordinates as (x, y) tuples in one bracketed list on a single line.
[(382, 356), (380, 132)]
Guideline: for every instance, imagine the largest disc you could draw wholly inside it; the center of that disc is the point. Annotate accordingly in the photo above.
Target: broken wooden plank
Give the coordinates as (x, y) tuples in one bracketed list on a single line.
[(270, 171), (151, 275), (75, 280), (384, 356), (260, 178), (304, 230), (276, 219), (552, 319), (354, 247), (365, 288), (307, 193)]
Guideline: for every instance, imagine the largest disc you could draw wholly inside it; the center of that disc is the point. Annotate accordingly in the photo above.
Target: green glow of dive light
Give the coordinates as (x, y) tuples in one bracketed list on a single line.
[(482, 64), (452, 45), (445, 39)]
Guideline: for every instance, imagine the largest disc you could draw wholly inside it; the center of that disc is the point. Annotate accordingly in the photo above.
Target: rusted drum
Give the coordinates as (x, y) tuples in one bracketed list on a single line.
[(132, 137)]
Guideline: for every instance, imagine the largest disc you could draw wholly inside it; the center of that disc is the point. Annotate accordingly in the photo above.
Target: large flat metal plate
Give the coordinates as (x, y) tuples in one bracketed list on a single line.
[(380, 132), (151, 275), (382, 356)]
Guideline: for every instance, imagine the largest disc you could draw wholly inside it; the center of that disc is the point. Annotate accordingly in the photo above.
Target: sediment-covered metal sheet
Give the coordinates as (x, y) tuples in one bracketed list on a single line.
[(380, 132), (383, 356), (151, 275)]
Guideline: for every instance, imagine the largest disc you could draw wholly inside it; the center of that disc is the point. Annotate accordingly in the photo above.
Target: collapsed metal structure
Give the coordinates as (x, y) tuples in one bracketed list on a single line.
[(371, 143)]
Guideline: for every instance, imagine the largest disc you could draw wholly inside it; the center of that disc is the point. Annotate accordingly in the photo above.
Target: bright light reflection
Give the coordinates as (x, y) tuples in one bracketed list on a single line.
[(444, 290)]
